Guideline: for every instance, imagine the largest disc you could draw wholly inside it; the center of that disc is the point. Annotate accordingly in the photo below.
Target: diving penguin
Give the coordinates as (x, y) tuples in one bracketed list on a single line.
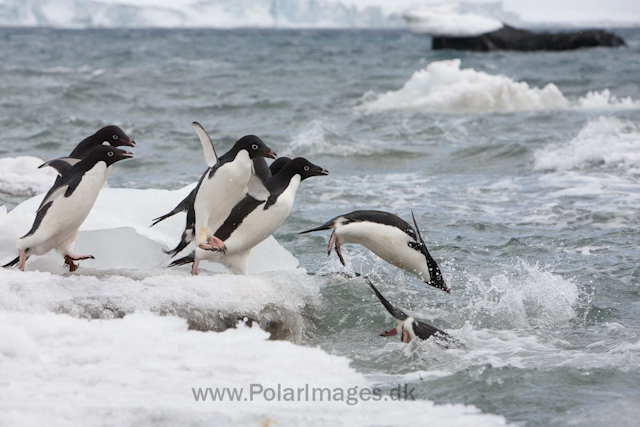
[(389, 237), (406, 326)]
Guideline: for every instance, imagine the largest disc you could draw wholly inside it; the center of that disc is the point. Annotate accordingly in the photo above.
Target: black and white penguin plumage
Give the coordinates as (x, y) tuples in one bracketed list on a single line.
[(251, 221), (66, 206), (406, 326), (108, 135), (222, 185), (389, 237)]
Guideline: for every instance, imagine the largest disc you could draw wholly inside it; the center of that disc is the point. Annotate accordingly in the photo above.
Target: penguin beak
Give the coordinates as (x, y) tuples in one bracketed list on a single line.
[(126, 155), (271, 154), (129, 142), (318, 171)]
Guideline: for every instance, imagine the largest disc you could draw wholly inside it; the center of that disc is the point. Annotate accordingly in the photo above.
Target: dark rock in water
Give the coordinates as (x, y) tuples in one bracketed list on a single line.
[(509, 38)]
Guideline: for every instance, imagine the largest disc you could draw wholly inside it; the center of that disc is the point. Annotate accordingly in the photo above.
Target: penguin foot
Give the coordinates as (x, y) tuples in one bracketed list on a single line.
[(23, 259), (194, 268), (214, 244), (335, 241), (68, 261), (81, 257), (389, 333)]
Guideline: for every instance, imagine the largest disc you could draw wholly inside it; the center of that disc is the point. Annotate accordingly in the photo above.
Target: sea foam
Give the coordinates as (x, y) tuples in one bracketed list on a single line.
[(603, 142), (445, 87)]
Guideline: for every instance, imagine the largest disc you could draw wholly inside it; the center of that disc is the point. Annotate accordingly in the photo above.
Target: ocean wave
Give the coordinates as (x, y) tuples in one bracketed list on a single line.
[(319, 138), (603, 142), (444, 87), (20, 176)]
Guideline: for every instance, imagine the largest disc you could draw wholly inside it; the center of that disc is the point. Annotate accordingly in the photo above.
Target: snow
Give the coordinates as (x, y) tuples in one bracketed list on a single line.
[(445, 20), (140, 370)]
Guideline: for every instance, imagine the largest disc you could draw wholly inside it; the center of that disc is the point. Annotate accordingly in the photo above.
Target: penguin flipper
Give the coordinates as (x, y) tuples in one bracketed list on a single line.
[(425, 331), (209, 150), (260, 174), (395, 312), (12, 263), (183, 206), (61, 165), (184, 260), (326, 226)]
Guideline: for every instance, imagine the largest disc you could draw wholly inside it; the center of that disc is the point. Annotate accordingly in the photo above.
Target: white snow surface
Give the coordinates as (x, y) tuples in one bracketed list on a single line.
[(445, 87), (445, 20), (140, 370)]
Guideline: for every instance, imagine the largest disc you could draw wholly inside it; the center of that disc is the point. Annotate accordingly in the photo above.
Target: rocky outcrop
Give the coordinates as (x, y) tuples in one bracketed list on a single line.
[(510, 38)]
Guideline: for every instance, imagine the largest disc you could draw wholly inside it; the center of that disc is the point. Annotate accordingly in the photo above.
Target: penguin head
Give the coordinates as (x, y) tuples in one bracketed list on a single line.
[(113, 136), (254, 146), (108, 154), (305, 168)]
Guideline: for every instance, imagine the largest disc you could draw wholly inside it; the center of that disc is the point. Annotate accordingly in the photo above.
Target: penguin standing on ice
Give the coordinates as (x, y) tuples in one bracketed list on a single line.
[(252, 220), (389, 237), (222, 185), (66, 206), (108, 135), (406, 326)]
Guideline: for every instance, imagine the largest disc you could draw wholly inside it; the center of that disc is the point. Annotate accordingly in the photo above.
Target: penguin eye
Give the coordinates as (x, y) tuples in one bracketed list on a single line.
[(306, 168), (115, 136), (254, 146), (110, 153)]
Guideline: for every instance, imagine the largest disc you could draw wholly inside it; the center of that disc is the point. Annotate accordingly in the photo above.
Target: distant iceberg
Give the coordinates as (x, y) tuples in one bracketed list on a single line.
[(195, 14), (447, 21)]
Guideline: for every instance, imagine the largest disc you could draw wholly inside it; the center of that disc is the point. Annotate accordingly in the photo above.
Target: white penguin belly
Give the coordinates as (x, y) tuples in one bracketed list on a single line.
[(260, 223), (389, 243), (218, 195), (66, 214)]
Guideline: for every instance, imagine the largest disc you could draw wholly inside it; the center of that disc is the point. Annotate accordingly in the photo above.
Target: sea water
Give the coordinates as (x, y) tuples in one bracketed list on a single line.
[(522, 170)]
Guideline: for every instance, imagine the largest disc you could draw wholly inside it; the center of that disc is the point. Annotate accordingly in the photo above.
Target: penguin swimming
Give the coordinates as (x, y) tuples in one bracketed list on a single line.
[(108, 135), (251, 221), (66, 206), (390, 238), (222, 185), (406, 326)]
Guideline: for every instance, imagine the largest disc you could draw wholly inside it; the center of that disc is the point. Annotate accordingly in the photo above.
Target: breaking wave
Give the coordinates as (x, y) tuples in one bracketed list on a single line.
[(444, 87), (603, 142)]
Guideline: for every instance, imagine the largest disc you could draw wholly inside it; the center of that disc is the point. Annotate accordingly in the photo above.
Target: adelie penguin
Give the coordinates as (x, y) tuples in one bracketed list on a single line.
[(66, 206), (108, 135), (253, 220), (389, 237), (222, 185), (406, 326)]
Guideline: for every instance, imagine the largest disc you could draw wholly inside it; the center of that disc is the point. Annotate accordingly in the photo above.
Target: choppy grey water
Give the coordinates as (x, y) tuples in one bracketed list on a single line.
[(532, 215)]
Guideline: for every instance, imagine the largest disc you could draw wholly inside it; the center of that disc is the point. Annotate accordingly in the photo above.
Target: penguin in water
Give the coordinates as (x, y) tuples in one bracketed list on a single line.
[(389, 237), (222, 185), (66, 206), (406, 326), (252, 220), (108, 135)]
